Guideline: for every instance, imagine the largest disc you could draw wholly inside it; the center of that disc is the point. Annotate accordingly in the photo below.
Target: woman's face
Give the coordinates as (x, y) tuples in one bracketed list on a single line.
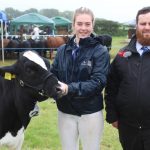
[(83, 26)]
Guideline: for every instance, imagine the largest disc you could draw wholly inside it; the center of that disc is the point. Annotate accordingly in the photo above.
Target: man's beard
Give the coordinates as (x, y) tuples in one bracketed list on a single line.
[(141, 39)]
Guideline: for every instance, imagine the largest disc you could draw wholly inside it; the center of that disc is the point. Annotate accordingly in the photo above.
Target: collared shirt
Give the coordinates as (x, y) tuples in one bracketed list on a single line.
[(75, 51), (138, 47)]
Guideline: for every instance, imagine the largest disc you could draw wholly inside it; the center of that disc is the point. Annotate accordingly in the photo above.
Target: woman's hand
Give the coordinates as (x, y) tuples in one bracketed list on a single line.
[(62, 89)]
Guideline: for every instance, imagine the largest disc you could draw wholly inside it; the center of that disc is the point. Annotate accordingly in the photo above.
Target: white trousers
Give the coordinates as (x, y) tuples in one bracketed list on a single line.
[(88, 128)]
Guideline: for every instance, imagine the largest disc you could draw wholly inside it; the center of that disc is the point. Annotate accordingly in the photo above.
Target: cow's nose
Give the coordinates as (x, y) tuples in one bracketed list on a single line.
[(55, 92)]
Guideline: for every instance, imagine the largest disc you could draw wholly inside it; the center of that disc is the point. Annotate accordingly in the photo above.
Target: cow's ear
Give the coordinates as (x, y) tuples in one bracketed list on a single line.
[(47, 63), (8, 72)]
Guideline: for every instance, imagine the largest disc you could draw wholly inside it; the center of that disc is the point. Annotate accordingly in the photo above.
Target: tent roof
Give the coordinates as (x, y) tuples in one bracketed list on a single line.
[(61, 21), (3, 16), (33, 18)]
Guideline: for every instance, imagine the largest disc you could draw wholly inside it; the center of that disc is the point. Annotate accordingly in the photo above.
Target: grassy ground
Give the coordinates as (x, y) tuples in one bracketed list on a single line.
[(42, 133)]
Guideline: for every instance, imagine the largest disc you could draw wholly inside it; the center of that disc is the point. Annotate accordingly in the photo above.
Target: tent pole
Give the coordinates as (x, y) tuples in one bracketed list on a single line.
[(6, 29), (2, 40)]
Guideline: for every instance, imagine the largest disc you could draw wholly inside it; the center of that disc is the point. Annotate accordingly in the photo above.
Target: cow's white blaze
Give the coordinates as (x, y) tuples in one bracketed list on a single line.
[(35, 58), (12, 141)]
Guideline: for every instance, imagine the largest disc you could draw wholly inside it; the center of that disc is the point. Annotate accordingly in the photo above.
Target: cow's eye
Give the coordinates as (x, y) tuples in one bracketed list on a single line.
[(30, 71)]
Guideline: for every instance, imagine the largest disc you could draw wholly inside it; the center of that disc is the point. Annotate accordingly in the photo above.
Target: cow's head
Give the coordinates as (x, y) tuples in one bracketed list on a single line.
[(32, 72)]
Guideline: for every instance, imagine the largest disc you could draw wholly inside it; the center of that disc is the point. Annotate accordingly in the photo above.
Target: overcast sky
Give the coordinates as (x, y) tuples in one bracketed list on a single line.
[(116, 10)]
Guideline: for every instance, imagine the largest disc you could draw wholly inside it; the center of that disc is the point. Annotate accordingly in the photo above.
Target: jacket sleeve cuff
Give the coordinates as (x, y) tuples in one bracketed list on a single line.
[(70, 89), (111, 117)]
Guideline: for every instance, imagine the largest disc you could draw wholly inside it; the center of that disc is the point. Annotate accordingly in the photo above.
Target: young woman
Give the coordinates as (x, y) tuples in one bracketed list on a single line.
[(81, 67)]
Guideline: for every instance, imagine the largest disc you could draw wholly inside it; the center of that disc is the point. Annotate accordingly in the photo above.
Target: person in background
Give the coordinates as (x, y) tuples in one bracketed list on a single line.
[(48, 30), (35, 33), (81, 66), (127, 90), (22, 31)]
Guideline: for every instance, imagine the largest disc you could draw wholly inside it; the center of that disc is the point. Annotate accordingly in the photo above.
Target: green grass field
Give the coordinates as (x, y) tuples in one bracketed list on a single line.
[(42, 133)]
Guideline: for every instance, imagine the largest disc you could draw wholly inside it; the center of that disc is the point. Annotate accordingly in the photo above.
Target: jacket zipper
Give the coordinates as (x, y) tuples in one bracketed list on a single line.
[(139, 90)]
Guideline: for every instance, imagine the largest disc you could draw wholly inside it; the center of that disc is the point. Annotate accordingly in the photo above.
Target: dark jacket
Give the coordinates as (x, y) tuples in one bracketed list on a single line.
[(128, 88), (85, 76)]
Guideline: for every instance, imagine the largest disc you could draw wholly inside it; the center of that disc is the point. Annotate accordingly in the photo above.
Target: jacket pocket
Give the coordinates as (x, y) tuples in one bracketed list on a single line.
[(85, 70)]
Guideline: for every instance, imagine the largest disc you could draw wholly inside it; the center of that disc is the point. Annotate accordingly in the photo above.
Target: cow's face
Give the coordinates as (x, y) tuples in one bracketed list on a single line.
[(33, 74)]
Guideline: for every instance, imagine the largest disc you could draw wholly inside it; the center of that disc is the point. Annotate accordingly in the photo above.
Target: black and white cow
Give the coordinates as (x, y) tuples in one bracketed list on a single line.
[(21, 85)]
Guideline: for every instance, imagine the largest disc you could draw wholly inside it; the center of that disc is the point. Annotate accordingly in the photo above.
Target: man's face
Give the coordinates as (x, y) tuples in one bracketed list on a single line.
[(143, 29)]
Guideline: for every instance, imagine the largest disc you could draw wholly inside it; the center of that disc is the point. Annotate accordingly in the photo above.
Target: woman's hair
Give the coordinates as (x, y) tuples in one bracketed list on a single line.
[(144, 10), (83, 10)]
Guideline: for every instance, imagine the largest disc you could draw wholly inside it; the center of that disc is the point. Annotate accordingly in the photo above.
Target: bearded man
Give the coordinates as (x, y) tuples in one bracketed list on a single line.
[(127, 94)]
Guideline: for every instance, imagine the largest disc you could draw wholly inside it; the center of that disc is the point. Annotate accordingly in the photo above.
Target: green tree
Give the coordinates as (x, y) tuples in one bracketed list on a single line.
[(31, 10), (12, 13), (113, 28), (67, 14), (49, 12)]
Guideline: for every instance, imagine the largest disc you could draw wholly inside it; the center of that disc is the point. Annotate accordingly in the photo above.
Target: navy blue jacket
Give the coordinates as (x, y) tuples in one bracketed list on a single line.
[(85, 76)]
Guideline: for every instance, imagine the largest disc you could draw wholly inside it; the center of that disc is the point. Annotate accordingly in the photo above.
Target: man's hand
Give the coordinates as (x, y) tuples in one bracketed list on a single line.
[(115, 124)]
